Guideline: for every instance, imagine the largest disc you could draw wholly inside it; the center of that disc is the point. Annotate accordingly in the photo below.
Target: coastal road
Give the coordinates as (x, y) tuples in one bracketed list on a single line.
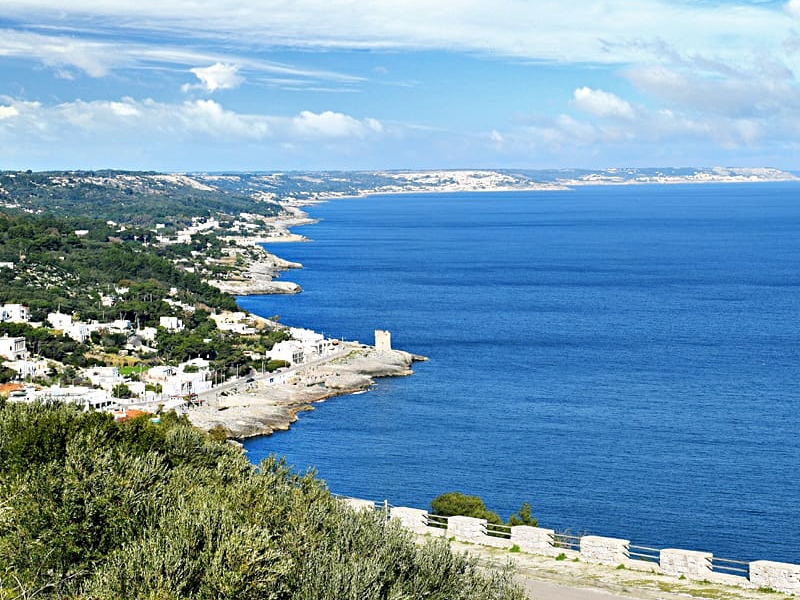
[(235, 385)]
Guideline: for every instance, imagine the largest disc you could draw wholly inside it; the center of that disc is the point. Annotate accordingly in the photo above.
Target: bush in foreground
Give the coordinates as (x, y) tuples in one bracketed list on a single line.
[(90, 508)]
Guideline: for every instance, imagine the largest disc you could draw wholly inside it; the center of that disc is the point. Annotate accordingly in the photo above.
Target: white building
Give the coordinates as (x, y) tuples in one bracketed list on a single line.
[(59, 321), (13, 348), (170, 323), (78, 332), (15, 313), (290, 350), (236, 322), (147, 333), (121, 325), (314, 344), (29, 368), (86, 398), (105, 377), (175, 381)]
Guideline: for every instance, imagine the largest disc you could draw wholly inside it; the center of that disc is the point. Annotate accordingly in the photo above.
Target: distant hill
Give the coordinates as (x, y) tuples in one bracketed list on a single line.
[(140, 198), (144, 198)]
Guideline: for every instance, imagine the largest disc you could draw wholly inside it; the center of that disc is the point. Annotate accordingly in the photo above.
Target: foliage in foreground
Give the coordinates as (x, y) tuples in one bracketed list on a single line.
[(90, 508)]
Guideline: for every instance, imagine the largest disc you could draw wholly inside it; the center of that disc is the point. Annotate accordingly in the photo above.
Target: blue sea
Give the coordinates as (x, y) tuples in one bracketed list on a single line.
[(626, 359)]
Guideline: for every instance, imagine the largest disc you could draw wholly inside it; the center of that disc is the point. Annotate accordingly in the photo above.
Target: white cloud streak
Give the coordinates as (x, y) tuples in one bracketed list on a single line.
[(99, 58), (537, 29)]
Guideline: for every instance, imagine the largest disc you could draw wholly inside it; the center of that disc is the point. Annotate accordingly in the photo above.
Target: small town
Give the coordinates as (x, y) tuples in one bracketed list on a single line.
[(130, 387)]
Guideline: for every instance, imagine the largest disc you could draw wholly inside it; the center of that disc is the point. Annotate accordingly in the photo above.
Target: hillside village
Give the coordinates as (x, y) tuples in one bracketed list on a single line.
[(133, 382)]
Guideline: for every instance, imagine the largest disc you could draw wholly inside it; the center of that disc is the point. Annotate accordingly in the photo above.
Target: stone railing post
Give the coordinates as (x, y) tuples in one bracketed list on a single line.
[(604, 550), (466, 529), (533, 540), (781, 577), (412, 519), (693, 565)]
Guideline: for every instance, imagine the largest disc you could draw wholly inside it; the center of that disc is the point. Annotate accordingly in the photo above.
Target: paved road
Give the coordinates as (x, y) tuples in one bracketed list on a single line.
[(544, 590), (239, 384)]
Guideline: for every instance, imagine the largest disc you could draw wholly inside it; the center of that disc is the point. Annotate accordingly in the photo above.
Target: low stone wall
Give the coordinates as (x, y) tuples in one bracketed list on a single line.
[(781, 577), (604, 550), (690, 564)]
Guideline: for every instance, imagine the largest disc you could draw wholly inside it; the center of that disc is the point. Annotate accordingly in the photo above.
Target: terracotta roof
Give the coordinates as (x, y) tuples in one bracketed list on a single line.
[(131, 413), (10, 387)]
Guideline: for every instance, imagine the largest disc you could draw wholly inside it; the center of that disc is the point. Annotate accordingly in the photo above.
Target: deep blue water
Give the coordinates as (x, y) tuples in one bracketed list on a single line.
[(624, 358)]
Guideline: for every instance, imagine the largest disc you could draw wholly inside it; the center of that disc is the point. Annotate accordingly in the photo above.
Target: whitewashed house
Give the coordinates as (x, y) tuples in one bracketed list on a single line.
[(13, 348), (170, 323), (15, 313), (289, 350), (59, 321), (29, 368)]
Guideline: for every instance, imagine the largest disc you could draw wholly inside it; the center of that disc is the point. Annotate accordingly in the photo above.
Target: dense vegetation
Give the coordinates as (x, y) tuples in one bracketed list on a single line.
[(90, 508), (125, 197), (55, 268)]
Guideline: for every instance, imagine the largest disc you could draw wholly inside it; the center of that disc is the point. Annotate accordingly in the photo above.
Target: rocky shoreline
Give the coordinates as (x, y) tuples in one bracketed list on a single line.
[(269, 408), (266, 408)]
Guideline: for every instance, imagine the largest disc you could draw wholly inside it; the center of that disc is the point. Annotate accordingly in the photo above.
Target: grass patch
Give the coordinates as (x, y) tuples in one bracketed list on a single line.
[(514, 548), (561, 556)]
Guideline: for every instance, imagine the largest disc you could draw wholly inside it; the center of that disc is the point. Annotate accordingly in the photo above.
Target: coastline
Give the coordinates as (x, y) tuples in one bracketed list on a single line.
[(260, 410), (266, 409)]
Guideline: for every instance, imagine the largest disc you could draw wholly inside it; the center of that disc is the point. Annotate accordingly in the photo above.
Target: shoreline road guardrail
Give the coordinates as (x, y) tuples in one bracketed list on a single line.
[(644, 553), (691, 564)]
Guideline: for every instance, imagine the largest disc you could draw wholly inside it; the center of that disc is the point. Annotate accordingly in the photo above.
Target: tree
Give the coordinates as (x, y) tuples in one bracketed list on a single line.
[(121, 391), (456, 503), (523, 517), (7, 374)]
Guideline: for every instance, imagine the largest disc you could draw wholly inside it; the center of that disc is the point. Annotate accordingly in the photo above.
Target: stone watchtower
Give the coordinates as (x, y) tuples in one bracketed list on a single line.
[(383, 340)]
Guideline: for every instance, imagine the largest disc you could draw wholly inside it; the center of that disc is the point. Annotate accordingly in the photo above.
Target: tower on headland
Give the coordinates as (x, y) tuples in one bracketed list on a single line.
[(383, 340)]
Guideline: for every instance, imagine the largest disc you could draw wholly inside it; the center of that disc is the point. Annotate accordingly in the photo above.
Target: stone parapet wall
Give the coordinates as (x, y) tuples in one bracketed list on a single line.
[(780, 577), (689, 563), (604, 550)]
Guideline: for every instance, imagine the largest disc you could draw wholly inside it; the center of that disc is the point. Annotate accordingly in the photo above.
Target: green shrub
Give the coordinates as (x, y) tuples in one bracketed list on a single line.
[(92, 508)]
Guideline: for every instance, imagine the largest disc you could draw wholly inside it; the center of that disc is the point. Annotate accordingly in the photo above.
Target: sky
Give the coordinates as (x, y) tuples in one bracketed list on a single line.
[(187, 85)]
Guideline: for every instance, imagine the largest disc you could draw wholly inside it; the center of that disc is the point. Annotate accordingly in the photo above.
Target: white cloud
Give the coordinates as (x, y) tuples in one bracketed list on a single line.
[(793, 8), (602, 104), (205, 118), (218, 76), (58, 52), (6, 112), (99, 58), (538, 29), (332, 124), (766, 87)]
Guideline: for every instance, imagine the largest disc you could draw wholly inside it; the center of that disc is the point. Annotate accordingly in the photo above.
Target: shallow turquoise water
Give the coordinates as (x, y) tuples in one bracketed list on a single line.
[(625, 359)]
